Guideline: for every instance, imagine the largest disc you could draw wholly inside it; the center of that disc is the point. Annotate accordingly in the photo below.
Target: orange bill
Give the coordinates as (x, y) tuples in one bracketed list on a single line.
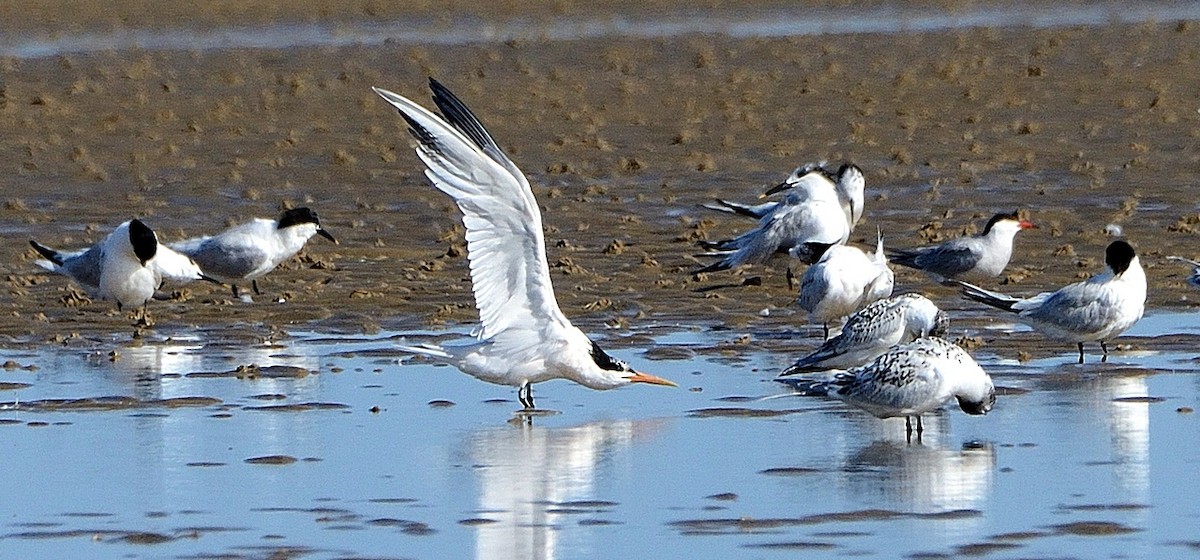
[(639, 377)]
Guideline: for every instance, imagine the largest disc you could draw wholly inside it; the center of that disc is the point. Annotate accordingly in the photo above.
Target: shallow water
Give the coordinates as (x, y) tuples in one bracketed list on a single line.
[(768, 23), (413, 460)]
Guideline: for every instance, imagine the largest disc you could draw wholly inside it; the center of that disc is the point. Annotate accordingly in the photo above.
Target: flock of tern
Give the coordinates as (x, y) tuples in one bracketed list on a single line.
[(888, 359)]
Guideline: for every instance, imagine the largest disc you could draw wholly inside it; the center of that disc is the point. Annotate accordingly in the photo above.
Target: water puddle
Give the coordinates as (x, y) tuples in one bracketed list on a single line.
[(326, 447), (753, 24)]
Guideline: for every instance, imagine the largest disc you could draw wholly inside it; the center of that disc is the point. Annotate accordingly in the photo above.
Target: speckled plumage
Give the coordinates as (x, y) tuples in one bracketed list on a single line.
[(873, 329), (914, 378)]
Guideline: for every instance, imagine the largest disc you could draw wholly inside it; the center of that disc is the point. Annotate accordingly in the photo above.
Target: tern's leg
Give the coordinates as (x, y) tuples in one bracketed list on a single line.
[(235, 290), (525, 395), (1081, 352), (908, 428), (254, 284), (1104, 347), (791, 279), (826, 327)]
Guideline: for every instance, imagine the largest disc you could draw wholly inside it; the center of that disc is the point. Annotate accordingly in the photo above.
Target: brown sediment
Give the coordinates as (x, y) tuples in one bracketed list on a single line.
[(623, 138)]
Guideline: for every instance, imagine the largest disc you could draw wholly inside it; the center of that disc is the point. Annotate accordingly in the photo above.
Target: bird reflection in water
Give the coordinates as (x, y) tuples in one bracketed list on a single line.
[(534, 479)]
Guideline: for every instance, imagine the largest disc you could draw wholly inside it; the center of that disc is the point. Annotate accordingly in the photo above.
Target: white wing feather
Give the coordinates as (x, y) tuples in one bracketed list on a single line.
[(505, 244)]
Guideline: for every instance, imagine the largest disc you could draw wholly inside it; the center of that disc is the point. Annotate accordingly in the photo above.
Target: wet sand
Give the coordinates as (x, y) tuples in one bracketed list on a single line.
[(622, 139)]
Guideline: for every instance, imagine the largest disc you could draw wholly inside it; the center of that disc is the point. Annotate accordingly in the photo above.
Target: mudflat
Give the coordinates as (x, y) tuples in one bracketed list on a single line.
[(1084, 129)]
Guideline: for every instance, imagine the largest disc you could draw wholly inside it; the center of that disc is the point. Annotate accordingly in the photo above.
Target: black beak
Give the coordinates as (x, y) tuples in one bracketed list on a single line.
[(208, 278), (321, 231), (776, 189)]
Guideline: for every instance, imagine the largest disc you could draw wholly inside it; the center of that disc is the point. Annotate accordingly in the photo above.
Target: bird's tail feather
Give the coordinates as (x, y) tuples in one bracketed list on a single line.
[(902, 257), (732, 208), (431, 350), (994, 299)]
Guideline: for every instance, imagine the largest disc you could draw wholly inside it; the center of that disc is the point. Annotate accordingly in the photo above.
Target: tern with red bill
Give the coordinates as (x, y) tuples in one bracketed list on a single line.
[(976, 257)]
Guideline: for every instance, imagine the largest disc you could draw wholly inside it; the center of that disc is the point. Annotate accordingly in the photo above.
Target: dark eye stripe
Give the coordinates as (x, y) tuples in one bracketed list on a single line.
[(606, 362)]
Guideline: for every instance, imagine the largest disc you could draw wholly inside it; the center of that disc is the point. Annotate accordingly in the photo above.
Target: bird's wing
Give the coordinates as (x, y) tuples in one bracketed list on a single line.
[(84, 266), (505, 243), (1081, 307), (949, 259), (173, 266), (898, 380), (228, 256)]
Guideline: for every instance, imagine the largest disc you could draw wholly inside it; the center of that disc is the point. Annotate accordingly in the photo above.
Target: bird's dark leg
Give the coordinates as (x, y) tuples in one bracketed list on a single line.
[(525, 395), (254, 284), (826, 327), (1081, 352), (791, 279), (908, 428), (920, 428), (1104, 347), (235, 290)]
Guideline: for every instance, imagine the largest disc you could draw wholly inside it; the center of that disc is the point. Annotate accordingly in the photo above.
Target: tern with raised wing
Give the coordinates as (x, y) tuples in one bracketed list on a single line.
[(524, 338), (1194, 278), (1097, 309)]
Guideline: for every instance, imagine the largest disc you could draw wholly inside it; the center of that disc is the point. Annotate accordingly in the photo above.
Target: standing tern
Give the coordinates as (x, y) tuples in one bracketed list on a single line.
[(874, 329), (843, 281), (251, 250), (126, 267), (912, 379), (811, 212), (1100, 308), (524, 338), (849, 185), (1194, 279), (975, 257)]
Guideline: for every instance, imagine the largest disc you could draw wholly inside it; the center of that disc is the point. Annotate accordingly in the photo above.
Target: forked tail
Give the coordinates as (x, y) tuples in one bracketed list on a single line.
[(994, 299)]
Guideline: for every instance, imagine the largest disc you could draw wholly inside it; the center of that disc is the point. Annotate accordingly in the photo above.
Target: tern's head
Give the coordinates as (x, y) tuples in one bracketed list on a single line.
[(923, 316), (1119, 256), (978, 404), (143, 241), (305, 218), (850, 178), (1006, 225), (616, 372), (800, 173), (810, 252)]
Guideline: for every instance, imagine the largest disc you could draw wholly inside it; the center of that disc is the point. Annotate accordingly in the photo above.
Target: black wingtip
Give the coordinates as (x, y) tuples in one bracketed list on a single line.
[(49, 254)]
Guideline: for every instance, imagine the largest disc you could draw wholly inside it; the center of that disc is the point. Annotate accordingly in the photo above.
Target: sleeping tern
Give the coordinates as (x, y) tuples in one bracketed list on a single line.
[(1100, 308), (910, 380), (251, 250), (843, 281), (524, 338), (126, 267), (872, 330), (974, 257)]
